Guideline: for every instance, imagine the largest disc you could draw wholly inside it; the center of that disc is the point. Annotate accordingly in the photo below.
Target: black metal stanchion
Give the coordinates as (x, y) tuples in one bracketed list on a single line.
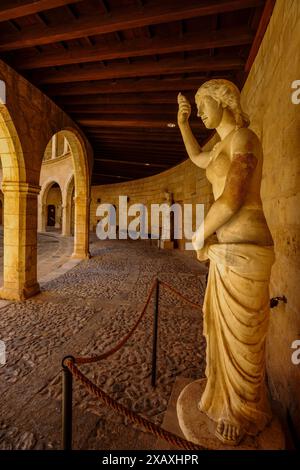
[(67, 382), (155, 334)]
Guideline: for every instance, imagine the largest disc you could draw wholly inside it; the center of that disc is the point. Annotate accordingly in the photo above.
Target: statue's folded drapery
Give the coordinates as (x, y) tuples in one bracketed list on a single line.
[(236, 316)]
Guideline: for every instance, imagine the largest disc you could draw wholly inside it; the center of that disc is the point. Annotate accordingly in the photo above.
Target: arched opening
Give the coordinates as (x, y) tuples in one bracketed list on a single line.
[(69, 209), (52, 202), (65, 206), (1, 210), (19, 201)]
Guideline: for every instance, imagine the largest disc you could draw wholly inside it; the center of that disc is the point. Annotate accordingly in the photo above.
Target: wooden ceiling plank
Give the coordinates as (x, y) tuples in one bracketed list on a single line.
[(148, 68), (135, 48), (11, 9), (154, 12)]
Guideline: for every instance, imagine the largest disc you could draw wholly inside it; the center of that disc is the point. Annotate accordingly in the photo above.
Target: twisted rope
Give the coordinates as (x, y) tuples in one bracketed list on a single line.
[(193, 304), (134, 418), (89, 360), (105, 355)]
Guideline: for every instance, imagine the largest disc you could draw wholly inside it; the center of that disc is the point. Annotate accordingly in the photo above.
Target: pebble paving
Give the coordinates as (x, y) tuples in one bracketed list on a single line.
[(86, 311)]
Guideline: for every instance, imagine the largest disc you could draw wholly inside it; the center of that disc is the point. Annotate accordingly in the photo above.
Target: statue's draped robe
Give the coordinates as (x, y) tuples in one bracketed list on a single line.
[(236, 316)]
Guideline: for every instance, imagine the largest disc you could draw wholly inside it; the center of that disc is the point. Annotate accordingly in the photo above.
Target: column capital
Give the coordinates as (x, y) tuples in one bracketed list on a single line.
[(20, 187)]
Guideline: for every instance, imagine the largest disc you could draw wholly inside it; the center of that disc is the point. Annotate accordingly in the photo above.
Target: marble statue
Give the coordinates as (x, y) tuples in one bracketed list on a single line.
[(236, 304)]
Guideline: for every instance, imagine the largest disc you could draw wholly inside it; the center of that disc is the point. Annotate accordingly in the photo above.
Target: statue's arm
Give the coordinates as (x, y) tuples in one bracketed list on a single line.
[(193, 149), (243, 163)]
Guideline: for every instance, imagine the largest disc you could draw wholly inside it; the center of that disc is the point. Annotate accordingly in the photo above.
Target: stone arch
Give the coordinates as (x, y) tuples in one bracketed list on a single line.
[(68, 208), (1, 207), (82, 193), (42, 215), (81, 174), (20, 200), (11, 153)]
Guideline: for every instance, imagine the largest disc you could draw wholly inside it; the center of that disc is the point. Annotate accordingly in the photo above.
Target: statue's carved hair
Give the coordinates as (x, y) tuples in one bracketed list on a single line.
[(228, 95)]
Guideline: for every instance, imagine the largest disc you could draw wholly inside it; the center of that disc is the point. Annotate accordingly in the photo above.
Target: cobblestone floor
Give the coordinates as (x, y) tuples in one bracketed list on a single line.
[(86, 311), (53, 252)]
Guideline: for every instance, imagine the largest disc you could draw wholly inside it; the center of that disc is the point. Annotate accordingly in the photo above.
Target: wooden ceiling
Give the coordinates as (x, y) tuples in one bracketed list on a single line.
[(116, 66)]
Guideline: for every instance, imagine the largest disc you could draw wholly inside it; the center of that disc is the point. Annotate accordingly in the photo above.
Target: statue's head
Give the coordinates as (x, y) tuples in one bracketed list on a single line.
[(213, 97)]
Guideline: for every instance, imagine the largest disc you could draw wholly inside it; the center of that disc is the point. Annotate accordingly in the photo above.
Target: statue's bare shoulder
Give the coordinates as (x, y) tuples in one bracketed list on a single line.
[(245, 141)]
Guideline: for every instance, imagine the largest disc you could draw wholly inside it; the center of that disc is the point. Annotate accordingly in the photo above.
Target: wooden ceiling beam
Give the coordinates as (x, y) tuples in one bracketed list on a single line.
[(128, 86), (105, 175), (146, 162), (132, 137), (132, 149), (129, 98), (12, 9), (134, 48), (127, 140), (119, 109), (127, 162), (138, 152), (148, 139), (139, 69), (109, 144), (126, 170), (154, 12), (151, 133), (162, 116), (153, 123)]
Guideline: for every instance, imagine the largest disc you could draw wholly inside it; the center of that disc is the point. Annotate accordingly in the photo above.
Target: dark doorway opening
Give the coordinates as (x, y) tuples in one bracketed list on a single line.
[(51, 216)]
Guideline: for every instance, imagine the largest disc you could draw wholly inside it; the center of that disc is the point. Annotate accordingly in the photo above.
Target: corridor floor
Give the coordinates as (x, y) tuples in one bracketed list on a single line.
[(53, 251), (86, 311)]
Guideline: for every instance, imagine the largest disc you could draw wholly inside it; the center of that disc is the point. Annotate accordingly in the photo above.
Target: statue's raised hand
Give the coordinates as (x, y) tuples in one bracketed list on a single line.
[(184, 109)]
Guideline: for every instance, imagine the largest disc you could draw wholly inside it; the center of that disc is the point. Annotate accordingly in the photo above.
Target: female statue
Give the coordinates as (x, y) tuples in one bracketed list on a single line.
[(236, 304)]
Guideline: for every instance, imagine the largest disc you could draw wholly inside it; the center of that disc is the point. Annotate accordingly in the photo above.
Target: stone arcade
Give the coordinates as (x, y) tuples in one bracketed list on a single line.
[(162, 102)]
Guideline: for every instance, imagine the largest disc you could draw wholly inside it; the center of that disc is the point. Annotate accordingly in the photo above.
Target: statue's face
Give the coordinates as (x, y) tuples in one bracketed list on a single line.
[(210, 111)]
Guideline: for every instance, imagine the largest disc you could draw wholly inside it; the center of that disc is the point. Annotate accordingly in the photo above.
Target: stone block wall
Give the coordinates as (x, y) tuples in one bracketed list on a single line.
[(186, 182), (266, 97)]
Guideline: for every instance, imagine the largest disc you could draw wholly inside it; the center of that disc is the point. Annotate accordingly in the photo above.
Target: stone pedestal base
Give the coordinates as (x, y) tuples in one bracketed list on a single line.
[(166, 245), (26, 293), (198, 428), (81, 256)]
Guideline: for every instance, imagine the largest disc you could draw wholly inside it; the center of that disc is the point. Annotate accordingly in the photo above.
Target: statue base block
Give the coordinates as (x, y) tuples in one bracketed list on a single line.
[(198, 428)]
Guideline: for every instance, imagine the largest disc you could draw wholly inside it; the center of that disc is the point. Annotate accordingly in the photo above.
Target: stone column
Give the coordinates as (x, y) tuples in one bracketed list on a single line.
[(54, 146), (20, 241), (42, 216), (66, 146), (66, 220), (81, 229)]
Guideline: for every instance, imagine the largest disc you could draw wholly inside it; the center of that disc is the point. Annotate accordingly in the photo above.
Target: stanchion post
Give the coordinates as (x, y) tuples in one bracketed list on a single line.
[(67, 383), (155, 333)]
